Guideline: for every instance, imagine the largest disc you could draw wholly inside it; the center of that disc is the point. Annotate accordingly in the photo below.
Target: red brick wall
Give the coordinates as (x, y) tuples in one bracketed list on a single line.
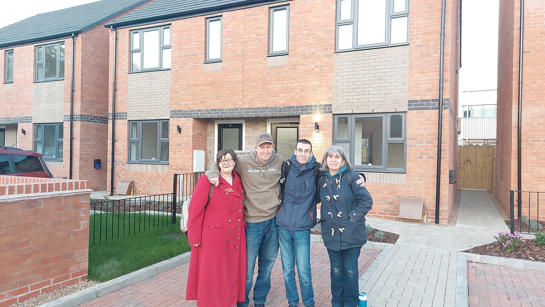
[(506, 141), (533, 103), (245, 80), (44, 235)]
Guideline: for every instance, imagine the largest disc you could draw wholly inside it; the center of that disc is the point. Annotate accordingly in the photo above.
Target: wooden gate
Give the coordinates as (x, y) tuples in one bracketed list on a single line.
[(476, 167)]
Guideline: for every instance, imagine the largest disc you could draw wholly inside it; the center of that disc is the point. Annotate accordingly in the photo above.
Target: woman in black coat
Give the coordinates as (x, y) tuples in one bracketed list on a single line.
[(343, 210)]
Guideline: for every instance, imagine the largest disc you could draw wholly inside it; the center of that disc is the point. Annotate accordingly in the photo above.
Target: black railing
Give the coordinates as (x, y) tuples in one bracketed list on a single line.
[(119, 218), (183, 186), (527, 218)]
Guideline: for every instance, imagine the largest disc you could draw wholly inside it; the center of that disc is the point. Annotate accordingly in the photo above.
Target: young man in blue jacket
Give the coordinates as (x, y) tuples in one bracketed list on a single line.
[(295, 219)]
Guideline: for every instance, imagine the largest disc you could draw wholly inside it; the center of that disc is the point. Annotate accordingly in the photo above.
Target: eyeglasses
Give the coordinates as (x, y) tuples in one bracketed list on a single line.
[(303, 152), (227, 161)]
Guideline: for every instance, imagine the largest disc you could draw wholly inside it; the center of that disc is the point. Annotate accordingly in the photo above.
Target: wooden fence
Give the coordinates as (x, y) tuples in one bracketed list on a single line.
[(476, 167)]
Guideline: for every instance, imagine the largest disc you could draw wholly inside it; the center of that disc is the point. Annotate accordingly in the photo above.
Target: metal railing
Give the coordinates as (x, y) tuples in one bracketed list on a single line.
[(120, 218), (183, 186), (527, 216)]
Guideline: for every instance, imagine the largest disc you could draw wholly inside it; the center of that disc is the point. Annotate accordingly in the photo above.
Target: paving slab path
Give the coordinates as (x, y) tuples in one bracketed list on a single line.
[(168, 288)]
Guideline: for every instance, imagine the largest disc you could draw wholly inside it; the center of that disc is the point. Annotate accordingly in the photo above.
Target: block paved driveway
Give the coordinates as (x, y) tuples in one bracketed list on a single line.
[(168, 288), (494, 285)]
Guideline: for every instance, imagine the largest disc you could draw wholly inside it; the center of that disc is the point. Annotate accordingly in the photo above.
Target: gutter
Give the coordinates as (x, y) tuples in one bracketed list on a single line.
[(519, 115), (72, 106), (113, 113), (440, 114)]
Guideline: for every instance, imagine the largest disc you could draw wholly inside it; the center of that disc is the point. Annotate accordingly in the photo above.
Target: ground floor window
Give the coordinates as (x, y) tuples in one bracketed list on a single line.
[(48, 140), (373, 142), (148, 141), (285, 136), (2, 137), (230, 136)]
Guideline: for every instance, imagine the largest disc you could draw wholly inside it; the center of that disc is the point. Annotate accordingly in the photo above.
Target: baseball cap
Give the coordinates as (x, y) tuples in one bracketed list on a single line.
[(263, 138)]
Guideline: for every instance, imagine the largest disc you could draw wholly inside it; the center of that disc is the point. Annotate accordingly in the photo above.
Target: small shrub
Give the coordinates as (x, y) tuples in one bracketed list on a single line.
[(540, 238), (379, 235), (369, 229), (510, 242)]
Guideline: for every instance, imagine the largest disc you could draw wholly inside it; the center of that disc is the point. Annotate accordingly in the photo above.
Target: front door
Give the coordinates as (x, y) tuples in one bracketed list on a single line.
[(285, 136)]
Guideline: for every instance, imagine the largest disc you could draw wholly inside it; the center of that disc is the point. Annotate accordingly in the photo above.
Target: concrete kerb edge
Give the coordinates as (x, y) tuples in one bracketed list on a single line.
[(83, 296), (461, 281), (508, 262)]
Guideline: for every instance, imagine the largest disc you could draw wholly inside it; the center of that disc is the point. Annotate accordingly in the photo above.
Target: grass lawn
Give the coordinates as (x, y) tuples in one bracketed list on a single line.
[(119, 256)]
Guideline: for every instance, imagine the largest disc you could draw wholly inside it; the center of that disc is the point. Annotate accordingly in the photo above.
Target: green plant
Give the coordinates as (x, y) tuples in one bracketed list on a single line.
[(369, 229), (379, 235), (510, 242), (540, 238)]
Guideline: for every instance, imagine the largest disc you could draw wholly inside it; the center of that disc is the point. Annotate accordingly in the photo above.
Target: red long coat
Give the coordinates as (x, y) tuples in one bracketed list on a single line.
[(217, 268)]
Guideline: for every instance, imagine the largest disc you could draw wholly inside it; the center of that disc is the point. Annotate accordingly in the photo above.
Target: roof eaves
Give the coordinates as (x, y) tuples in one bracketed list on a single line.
[(113, 15), (38, 39), (192, 13)]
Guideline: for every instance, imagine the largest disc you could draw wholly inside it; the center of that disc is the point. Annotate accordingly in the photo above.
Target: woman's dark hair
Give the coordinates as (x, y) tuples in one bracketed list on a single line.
[(222, 153)]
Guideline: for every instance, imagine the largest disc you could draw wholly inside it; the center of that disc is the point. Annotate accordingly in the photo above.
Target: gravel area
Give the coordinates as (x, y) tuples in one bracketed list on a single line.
[(53, 295)]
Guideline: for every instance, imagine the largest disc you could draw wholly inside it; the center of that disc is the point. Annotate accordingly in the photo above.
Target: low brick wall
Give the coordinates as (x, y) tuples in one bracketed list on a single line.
[(44, 235)]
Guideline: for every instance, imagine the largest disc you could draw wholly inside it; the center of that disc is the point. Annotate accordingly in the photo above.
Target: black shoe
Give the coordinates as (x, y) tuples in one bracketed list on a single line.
[(259, 305)]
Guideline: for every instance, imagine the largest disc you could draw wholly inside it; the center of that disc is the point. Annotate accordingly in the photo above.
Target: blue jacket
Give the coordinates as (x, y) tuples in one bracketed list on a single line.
[(344, 206), (298, 208)]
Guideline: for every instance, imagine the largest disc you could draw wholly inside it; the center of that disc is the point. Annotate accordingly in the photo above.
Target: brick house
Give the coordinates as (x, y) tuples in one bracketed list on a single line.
[(529, 96), (49, 93), (190, 78)]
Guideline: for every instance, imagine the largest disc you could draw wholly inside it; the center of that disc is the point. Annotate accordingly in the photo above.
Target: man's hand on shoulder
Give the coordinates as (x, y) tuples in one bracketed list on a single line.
[(214, 181), (361, 181)]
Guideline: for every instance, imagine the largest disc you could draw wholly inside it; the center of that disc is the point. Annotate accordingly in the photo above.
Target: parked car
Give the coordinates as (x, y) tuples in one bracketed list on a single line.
[(18, 162)]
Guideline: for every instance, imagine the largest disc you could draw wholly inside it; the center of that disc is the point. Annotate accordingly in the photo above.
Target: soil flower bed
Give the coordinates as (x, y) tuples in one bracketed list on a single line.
[(529, 251)]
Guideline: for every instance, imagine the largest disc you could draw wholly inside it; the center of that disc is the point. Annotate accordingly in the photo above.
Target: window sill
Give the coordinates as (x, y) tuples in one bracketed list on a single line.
[(378, 170), (149, 70), (212, 61), (277, 54), (370, 48), (49, 80), (8, 82), (147, 162)]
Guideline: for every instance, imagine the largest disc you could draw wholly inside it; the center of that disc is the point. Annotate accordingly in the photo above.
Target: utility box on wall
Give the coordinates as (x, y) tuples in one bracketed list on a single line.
[(198, 160)]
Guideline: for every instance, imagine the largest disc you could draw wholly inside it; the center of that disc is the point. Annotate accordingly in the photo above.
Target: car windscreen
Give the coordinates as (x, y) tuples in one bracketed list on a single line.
[(4, 164), (27, 164)]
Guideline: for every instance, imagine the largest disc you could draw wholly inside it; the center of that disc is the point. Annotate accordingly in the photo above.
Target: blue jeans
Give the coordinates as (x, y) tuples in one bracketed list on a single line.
[(344, 277), (295, 250), (262, 242)]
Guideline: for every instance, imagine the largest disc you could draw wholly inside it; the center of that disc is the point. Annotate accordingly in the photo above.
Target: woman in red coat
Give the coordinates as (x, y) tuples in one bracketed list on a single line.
[(216, 232)]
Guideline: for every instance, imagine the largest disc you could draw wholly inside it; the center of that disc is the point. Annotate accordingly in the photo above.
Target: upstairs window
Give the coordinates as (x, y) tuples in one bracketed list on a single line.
[(150, 49), (8, 66), (213, 39), (50, 62), (279, 30), (371, 23)]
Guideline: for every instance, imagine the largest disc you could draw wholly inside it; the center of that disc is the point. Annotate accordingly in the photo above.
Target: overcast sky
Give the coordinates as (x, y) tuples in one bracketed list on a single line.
[(14, 10)]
